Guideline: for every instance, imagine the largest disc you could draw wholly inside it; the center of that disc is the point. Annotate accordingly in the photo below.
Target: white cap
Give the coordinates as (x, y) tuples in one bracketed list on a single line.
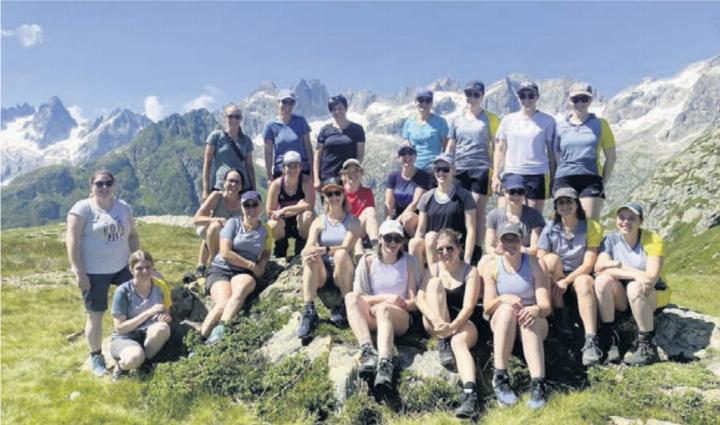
[(292, 157), (391, 226)]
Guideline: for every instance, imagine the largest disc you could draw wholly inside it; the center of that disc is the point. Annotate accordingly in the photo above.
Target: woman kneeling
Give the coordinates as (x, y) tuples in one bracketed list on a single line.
[(516, 297)]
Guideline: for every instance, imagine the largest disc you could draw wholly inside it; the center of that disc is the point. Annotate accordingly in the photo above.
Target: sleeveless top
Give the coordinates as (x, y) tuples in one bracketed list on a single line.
[(221, 210), (521, 283), (455, 296), (333, 234), (389, 278), (284, 199)]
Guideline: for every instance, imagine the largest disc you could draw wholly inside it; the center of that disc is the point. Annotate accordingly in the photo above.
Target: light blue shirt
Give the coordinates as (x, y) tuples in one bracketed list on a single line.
[(427, 138)]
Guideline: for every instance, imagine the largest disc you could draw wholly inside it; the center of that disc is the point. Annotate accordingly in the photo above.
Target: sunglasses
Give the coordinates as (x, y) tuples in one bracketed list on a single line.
[(233, 181), (424, 99), (510, 239), (234, 117), (406, 151), (331, 193), (393, 239), (529, 96), (441, 169), (445, 249), (580, 99), (287, 102), (293, 165), (516, 191), (104, 183), (251, 204), (473, 93)]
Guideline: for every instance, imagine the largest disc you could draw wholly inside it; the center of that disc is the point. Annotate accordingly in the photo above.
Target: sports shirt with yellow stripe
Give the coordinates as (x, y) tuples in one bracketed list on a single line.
[(649, 244), (578, 146)]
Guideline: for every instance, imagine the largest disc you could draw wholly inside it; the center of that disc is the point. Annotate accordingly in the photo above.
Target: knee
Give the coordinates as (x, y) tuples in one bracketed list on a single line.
[(132, 358), (382, 312), (458, 342), (214, 228), (351, 299), (431, 239), (635, 292), (505, 313), (416, 244), (307, 216), (584, 285), (602, 283), (435, 286), (159, 330), (342, 259), (551, 261)]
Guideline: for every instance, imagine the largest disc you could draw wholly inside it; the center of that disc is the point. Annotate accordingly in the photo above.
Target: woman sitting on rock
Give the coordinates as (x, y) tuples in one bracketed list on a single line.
[(361, 202), (628, 270), (212, 215), (447, 300), (290, 203), (140, 317), (384, 292), (245, 245), (404, 189), (326, 257), (569, 247)]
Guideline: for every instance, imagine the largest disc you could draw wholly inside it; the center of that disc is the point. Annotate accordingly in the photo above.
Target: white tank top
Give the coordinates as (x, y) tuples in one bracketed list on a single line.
[(389, 278)]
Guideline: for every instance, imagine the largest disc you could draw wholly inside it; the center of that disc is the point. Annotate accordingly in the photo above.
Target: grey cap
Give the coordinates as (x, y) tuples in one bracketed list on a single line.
[(286, 94), (565, 192), (445, 157), (509, 228), (292, 157), (527, 85), (634, 207), (579, 89)]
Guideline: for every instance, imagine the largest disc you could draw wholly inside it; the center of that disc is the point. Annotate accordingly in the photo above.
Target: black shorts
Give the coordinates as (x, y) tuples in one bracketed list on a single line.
[(476, 181), (216, 274), (96, 298), (537, 186), (659, 285), (586, 185), (329, 263), (291, 227)]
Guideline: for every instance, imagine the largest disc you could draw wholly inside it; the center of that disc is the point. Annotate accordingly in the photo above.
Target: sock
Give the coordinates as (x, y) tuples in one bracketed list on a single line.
[(536, 380), (646, 336), (310, 305), (500, 372), (469, 387), (367, 344), (96, 353), (589, 335)]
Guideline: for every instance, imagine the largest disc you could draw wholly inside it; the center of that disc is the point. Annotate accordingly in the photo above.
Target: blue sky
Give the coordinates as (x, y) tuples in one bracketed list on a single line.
[(105, 55)]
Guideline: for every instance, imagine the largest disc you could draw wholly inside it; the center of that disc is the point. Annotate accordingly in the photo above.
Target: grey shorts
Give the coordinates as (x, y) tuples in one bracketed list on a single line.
[(96, 298), (121, 342), (216, 274)]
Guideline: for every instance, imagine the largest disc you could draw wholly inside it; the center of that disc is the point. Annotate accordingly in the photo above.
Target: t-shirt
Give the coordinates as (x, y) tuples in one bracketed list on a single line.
[(338, 146), (649, 244), (530, 218), (226, 158), (588, 234), (127, 302), (360, 200), (527, 140), (287, 138), (249, 244), (404, 190), (427, 138), (449, 214), (578, 146), (104, 245), (473, 140)]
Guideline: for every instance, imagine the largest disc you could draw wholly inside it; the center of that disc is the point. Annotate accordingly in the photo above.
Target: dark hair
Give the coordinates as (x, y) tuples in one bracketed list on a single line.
[(230, 171), (378, 250), (335, 100), (101, 172), (579, 212), (453, 236)]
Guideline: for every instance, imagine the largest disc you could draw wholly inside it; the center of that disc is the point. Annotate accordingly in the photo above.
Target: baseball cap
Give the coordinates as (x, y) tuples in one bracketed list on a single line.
[(423, 93), (291, 157), (331, 182), (632, 206), (406, 149), (565, 192), (391, 226), (286, 94), (527, 85), (337, 99), (512, 181), (250, 195), (445, 157), (475, 85), (578, 89), (509, 228), (350, 162)]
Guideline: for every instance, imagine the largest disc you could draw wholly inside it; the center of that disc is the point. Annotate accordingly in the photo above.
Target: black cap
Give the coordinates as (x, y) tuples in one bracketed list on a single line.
[(476, 85)]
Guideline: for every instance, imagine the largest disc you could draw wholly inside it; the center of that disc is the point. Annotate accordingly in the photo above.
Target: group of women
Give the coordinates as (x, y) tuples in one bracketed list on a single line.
[(437, 252)]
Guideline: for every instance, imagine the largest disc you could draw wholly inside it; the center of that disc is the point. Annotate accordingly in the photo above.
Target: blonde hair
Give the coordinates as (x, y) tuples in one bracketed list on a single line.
[(139, 256)]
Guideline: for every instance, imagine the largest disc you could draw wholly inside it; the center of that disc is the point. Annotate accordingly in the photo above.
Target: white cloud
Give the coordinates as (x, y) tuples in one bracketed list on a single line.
[(205, 100), (154, 109), (27, 35), (76, 112)]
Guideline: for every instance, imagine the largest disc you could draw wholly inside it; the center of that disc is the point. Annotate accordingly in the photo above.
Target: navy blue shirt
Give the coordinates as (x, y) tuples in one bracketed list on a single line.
[(339, 145), (403, 190)]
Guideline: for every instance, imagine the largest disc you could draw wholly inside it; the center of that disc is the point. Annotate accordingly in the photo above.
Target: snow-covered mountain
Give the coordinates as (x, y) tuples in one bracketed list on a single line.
[(12, 113)]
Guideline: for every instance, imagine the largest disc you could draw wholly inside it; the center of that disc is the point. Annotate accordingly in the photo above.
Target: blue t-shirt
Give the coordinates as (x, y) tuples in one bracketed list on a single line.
[(226, 158), (127, 302), (247, 243), (427, 138), (578, 146), (403, 190), (287, 138)]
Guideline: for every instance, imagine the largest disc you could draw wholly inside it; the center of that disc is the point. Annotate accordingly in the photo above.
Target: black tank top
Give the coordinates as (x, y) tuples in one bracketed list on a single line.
[(285, 200), (456, 296)]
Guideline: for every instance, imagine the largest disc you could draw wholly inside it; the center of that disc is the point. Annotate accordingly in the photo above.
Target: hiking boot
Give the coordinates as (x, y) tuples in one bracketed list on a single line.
[(280, 248), (504, 394), (538, 394), (384, 374), (447, 359), (118, 373), (613, 348), (368, 361), (145, 368), (468, 404), (338, 317), (591, 353), (307, 322), (216, 335), (646, 353), (97, 365)]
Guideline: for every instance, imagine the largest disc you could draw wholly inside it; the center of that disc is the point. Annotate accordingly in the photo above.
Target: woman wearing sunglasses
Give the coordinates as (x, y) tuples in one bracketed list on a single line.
[(404, 189), (517, 299), (245, 246), (579, 139), (290, 205), (471, 140), (212, 215), (447, 300), (287, 132), (101, 235), (525, 147), (426, 131), (228, 149), (326, 257), (569, 248), (383, 296), (446, 206), (337, 142)]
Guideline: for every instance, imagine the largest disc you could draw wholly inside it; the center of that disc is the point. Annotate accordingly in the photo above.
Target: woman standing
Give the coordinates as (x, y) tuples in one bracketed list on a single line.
[(245, 246), (579, 139), (426, 131), (447, 301), (100, 236), (228, 149), (404, 189)]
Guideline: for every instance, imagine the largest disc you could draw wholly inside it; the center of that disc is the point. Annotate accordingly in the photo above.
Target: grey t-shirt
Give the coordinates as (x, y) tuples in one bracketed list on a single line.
[(105, 248), (249, 244), (127, 302), (226, 158), (530, 218), (472, 142)]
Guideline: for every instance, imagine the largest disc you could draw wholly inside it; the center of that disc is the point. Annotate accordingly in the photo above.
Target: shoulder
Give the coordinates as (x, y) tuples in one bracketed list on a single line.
[(123, 289), (544, 117), (438, 120), (594, 226), (427, 196), (366, 191), (124, 205), (464, 195), (81, 208), (214, 136)]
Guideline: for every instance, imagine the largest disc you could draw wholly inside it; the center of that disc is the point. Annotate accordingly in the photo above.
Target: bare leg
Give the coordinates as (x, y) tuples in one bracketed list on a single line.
[(610, 297), (344, 270), (278, 228), (586, 302), (430, 245), (532, 342), (304, 221), (369, 223), (461, 343), (157, 335), (359, 317), (411, 223), (504, 327), (93, 330), (391, 320), (203, 253), (592, 207), (212, 239), (437, 301), (242, 286), (131, 357), (219, 294), (553, 265), (416, 246), (314, 276), (642, 306)]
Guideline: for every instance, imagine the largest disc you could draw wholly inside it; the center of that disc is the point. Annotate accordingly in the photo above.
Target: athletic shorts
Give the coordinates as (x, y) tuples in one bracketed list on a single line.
[(586, 185), (216, 274), (121, 342), (329, 263), (476, 181), (537, 186), (96, 298), (659, 285)]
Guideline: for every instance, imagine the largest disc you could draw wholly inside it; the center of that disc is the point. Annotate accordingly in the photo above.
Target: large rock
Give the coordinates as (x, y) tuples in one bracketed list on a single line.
[(686, 335), (342, 371), (284, 343), (425, 364)]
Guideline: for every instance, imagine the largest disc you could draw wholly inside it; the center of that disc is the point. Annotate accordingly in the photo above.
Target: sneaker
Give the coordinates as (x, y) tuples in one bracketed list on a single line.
[(368, 361), (646, 353), (468, 404), (591, 353), (307, 323), (339, 316), (384, 374), (216, 335), (447, 359), (613, 350), (118, 373), (538, 394), (97, 365), (504, 394)]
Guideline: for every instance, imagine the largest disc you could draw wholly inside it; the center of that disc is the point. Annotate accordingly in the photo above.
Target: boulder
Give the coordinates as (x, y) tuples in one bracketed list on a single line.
[(284, 343), (342, 371), (686, 335), (425, 364)]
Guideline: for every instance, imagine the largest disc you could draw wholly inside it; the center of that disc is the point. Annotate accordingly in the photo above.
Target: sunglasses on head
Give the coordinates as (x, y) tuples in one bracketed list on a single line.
[(406, 151), (445, 249), (424, 99), (233, 181), (516, 191), (442, 169), (580, 99), (393, 239), (288, 102), (526, 95), (473, 93), (104, 183), (234, 116), (331, 193), (251, 204)]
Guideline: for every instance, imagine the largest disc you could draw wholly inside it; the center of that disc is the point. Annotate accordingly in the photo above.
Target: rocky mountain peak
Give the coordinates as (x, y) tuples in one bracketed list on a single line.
[(8, 115), (52, 122), (312, 97)]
